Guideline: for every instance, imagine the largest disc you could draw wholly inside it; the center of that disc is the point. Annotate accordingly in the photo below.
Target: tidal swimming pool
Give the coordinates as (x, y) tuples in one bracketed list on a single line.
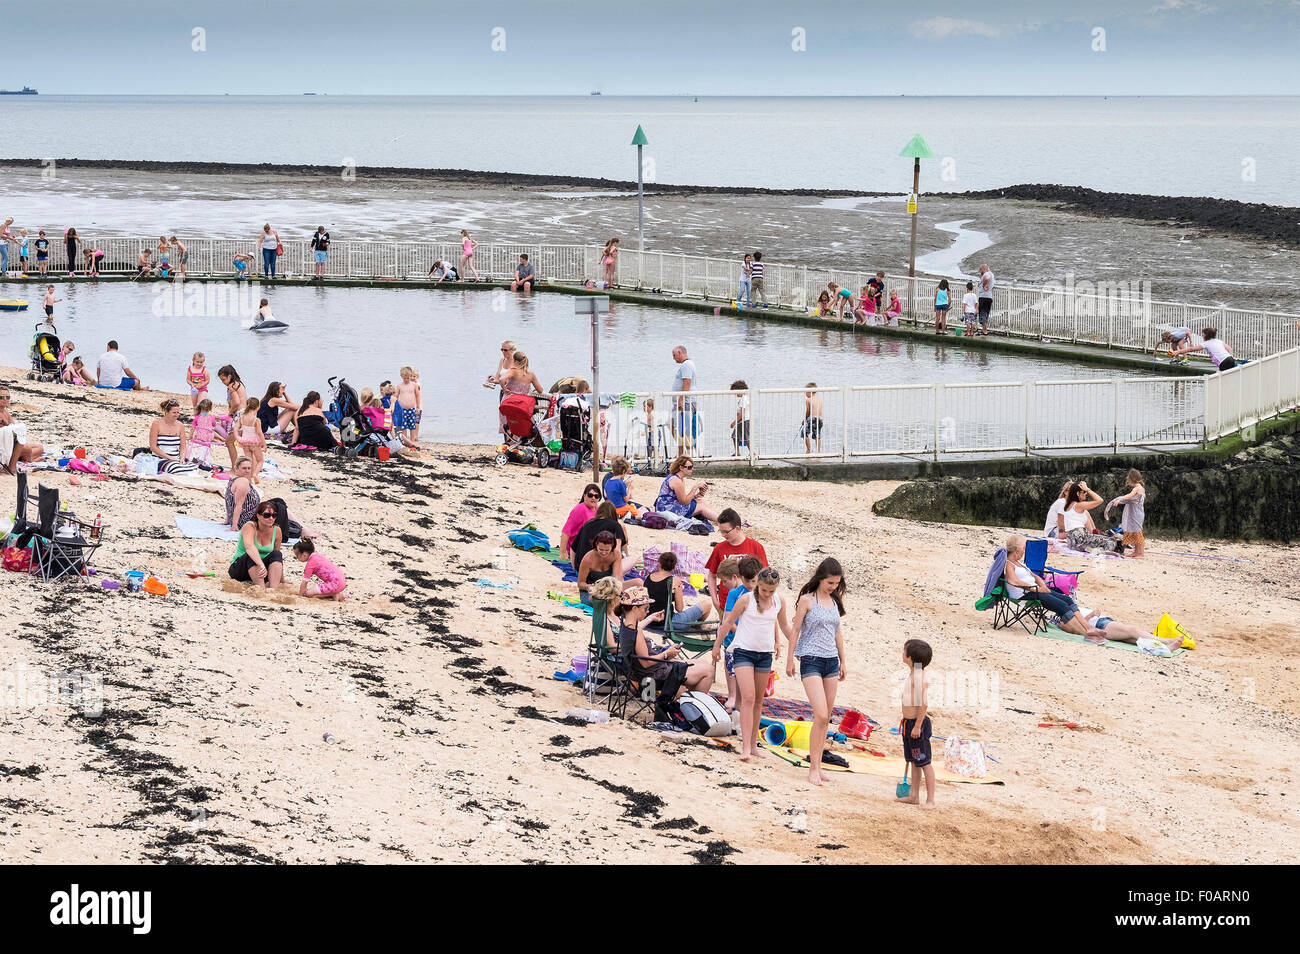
[(453, 339)]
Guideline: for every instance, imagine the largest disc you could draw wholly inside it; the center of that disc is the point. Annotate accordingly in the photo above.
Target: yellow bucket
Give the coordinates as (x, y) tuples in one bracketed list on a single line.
[(797, 735), (697, 580)]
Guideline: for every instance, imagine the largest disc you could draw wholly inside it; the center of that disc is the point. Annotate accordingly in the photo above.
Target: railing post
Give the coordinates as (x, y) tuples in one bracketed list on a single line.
[(1029, 404), (938, 403), (844, 424), (683, 288), (1118, 382), (753, 428)]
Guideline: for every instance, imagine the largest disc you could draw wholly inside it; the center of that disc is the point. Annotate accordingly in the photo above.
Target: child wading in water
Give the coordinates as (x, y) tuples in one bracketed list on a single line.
[(914, 727), (820, 651), (332, 582), (410, 407), (756, 618), (196, 376), (251, 438), (202, 433), (1135, 513)]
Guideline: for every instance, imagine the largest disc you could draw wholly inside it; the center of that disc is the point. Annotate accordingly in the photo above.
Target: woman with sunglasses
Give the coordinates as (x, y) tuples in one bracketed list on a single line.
[(676, 497), (257, 555), (168, 441), (579, 515)]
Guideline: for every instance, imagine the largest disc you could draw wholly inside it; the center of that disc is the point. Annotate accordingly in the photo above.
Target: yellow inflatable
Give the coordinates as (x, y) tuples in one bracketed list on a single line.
[(13, 306), (47, 353)]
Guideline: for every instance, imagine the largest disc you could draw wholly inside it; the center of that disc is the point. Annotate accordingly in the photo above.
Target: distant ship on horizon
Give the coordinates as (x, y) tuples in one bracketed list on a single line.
[(25, 91)]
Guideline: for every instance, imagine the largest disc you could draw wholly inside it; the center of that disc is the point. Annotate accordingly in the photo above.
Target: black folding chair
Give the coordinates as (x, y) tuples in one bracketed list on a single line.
[(61, 544)]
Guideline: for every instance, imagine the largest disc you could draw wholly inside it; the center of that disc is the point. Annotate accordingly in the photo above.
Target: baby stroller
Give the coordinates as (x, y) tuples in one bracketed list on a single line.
[(524, 442), (356, 434), (45, 353)]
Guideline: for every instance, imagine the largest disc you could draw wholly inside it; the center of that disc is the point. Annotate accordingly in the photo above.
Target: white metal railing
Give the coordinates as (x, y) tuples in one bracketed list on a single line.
[(1250, 393), (921, 420), (1111, 320)]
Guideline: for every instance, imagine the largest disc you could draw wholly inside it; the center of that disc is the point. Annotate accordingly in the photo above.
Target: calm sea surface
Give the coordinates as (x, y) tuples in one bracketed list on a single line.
[(1229, 147)]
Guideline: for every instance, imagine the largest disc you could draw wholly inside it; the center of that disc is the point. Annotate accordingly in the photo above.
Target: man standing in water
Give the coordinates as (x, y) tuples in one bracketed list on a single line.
[(684, 420)]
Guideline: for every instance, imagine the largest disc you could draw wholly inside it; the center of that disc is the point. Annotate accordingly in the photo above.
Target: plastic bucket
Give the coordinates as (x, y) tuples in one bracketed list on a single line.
[(134, 581), (579, 664), (797, 734), (855, 725), (774, 734), (697, 580), (958, 330), (383, 453)]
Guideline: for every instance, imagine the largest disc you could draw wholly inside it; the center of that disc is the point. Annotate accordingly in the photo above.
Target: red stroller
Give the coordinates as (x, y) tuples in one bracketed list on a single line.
[(524, 443)]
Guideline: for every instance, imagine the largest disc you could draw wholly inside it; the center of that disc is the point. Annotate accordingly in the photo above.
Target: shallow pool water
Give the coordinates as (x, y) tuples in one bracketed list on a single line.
[(453, 339)]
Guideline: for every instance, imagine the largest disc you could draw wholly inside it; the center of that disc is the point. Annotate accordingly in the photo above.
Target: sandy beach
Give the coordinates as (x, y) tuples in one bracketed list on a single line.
[(449, 736)]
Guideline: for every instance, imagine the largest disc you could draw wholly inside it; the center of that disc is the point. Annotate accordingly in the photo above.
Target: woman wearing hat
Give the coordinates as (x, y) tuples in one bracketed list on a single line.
[(661, 663)]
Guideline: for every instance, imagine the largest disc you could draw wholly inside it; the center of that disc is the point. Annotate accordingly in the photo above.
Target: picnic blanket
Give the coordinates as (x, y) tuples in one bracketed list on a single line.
[(792, 710), (1053, 633)]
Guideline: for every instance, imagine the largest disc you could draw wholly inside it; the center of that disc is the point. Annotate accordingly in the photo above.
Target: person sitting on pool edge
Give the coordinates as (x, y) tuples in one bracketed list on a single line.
[(113, 371), (524, 275)]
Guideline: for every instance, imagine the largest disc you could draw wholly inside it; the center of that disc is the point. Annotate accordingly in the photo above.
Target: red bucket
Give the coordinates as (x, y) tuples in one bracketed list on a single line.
[(382, 453), (854, 725)]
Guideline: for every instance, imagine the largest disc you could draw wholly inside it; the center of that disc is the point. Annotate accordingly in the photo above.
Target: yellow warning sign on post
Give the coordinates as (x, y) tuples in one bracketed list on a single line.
[(911, 204)]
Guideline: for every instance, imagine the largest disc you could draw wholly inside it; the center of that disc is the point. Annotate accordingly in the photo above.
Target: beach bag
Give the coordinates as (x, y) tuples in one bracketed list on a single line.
[(147, 464), (704, 715), (1167, 628), (653, 521), (279, 249), (17, 559), (963, 757), (650, 559), (85, 466), (1065, 583)]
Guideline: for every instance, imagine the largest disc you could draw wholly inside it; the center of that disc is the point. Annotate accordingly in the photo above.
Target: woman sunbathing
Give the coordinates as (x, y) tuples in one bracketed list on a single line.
[(1110, 628)]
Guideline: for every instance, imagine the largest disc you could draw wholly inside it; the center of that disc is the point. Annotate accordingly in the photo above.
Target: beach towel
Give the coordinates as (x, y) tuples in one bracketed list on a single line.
[(995, 571), (1060, 546), (864, 763), (197, 529), (1053, 633), (529, 538)]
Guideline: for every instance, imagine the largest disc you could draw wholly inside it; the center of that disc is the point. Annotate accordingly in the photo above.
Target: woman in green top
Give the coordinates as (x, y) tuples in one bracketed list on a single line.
[(257, 556)]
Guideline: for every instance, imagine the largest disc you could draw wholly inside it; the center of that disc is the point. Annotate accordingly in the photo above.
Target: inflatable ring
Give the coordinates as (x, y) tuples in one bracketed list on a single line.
[(13, 306)]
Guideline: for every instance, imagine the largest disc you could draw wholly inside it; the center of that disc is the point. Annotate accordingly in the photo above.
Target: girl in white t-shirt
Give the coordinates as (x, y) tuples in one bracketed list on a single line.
[(1220, 353), (756, 617)]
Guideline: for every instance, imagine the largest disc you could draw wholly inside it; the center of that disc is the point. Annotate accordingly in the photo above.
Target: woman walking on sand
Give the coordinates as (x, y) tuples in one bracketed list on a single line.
[(467, 247), (609, 258)]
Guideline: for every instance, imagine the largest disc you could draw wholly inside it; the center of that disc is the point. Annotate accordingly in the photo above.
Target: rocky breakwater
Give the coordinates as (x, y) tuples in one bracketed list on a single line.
[(1252, 495)]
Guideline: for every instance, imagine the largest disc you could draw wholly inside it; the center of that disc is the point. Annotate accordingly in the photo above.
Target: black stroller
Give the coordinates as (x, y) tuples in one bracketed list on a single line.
[(575, 431), (45, 353), (358, 437)]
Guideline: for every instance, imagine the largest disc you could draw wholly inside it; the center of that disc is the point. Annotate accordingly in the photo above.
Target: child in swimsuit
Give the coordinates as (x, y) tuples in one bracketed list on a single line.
[(202, 433), (410, 406), (812, 419), (250, 436), (198, 379), (332, 582)]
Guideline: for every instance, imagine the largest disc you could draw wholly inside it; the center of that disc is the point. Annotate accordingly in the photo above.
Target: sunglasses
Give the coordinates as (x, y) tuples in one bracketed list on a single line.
[(171, 404), (266, 513), (592, 494)]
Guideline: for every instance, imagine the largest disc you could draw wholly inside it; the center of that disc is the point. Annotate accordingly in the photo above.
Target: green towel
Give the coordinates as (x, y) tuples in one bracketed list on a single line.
[(1053, 633)]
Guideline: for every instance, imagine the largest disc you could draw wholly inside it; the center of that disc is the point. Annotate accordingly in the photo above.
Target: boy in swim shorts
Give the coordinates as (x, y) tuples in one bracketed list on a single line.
[(408, 407), (914, 726), (812, 419)]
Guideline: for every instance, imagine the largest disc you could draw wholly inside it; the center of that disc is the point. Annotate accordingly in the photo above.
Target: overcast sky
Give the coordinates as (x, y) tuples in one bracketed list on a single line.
[(705, 47)]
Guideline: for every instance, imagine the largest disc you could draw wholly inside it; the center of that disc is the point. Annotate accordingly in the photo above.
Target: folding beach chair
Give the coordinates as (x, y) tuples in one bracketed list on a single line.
[(602, 678), (61, 544), (1007, 610), (1063, 581)]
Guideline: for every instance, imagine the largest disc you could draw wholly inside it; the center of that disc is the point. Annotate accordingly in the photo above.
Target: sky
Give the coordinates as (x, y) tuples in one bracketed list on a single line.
[(660, 47)]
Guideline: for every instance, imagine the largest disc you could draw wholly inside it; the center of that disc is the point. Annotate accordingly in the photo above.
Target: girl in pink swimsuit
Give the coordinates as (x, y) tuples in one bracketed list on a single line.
[(332, 582), (250, 436), (467, 246)]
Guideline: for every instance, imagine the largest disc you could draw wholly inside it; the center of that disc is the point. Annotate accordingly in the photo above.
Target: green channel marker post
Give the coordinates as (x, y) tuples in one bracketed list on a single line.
[(916, 150), (640, 141)]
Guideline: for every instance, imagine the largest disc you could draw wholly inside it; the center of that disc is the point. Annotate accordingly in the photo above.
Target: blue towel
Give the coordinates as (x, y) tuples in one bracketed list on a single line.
[(565, 567)]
